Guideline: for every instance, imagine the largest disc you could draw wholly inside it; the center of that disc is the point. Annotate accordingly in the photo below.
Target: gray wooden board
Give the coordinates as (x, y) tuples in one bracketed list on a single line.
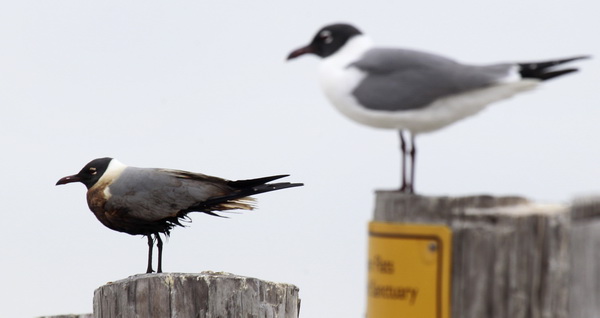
[(584, 292)]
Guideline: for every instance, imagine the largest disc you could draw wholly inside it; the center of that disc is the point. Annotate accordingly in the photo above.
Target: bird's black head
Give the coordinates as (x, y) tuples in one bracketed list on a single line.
[(90, 174), (328, 40)]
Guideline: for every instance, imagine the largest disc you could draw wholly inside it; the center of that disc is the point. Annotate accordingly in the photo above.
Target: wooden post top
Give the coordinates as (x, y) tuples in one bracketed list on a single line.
[(394, 206), (206, 294)]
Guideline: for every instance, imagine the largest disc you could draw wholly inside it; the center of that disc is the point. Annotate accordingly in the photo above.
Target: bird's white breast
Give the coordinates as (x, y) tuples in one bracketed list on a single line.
[(338, 80)]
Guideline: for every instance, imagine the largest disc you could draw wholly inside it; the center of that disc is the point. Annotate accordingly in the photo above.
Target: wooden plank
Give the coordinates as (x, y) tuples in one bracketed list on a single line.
[(207, 294), (584, 292)]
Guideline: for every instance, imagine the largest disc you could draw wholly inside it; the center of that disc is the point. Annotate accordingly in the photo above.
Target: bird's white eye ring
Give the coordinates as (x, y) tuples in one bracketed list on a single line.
[(92, 171), (326, 36)]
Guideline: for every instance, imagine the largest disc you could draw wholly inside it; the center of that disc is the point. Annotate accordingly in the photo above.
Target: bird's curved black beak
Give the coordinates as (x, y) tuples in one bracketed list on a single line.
[(301, 51), (69, 179)]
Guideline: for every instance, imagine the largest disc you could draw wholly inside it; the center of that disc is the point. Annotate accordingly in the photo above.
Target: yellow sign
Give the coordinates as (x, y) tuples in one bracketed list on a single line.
[(409, 271)]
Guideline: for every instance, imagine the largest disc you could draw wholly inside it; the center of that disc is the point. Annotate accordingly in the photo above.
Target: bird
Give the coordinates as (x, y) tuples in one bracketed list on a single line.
[(152, 201), (411, 91)]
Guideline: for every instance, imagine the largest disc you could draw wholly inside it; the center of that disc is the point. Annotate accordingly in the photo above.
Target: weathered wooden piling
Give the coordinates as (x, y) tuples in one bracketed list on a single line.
[(207, 294), (510, 256)]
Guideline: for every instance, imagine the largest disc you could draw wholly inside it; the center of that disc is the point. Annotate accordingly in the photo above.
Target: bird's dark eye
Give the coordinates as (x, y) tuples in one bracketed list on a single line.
[(326, 36), (92, 170)]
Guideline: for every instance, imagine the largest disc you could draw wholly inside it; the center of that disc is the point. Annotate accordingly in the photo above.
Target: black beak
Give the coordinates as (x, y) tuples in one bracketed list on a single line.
[(69, 179), (301, 51)]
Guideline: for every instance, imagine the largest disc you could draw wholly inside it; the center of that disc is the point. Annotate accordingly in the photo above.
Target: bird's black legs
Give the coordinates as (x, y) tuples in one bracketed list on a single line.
[(413, 154), (150, 245), (408, 184), (404, 186), (159, 245)]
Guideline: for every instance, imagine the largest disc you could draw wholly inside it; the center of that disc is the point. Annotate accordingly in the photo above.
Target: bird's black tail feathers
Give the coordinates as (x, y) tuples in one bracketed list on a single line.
[(244, 189), (543, 70), (240, 184)]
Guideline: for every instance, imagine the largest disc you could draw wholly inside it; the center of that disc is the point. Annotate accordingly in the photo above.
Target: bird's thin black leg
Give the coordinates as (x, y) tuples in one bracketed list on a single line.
[(150, 245), (413, 154), (159, 245), (404, 186)]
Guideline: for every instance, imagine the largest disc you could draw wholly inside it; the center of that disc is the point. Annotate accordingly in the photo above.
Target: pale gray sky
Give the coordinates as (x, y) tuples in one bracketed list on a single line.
[(205, 87)]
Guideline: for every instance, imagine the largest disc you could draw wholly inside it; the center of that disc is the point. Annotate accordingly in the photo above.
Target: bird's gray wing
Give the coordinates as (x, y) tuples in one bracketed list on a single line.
[(399, 79), (153, 194)]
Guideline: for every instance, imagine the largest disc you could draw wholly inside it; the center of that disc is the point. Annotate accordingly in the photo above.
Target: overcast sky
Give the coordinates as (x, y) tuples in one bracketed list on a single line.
[(204, 86)]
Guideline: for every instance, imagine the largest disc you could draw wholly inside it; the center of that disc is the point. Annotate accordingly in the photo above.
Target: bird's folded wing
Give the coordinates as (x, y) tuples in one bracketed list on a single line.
[(399, 79), (154, 194)]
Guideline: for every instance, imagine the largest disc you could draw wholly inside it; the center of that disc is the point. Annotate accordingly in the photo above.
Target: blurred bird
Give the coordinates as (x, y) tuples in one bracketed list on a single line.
[(412, 91), (150, 201)]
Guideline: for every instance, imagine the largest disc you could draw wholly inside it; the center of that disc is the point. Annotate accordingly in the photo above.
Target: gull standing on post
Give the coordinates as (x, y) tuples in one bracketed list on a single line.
[(412, 91), (150, 201)]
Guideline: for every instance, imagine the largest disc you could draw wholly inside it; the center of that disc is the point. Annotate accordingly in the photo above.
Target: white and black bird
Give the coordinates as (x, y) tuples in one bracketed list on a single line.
[(412, 91), (150, 201)]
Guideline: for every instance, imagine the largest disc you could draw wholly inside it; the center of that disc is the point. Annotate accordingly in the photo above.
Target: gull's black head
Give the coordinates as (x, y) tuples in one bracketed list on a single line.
[(327, 41), (90, 174)]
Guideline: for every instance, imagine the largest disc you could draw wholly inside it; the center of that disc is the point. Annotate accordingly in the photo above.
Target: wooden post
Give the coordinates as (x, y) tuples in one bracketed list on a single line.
[(510, 256), (207, 294), (584, 292)]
